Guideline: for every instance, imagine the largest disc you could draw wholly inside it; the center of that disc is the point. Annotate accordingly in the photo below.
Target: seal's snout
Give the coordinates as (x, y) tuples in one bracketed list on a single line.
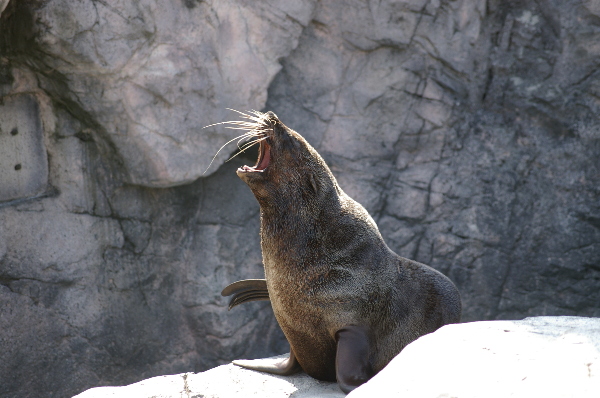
[(271, 116), (273, 121)]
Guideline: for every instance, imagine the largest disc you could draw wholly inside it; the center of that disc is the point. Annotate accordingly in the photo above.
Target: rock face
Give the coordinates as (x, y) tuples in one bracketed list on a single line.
[(152, 73), (468, 129), (545, 356)]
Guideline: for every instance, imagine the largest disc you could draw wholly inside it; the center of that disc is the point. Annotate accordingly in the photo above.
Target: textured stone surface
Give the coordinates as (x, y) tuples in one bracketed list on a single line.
[(544, 356), (468, 129), (551, 357), (153, 73)]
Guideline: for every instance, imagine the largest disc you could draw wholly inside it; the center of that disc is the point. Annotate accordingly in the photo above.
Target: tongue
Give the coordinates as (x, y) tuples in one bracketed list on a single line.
[(266, 158)]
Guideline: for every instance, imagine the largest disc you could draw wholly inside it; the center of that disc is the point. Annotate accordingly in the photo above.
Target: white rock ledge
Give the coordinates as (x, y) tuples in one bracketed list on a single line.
[(225, 381), (537, 357), (546, 357)]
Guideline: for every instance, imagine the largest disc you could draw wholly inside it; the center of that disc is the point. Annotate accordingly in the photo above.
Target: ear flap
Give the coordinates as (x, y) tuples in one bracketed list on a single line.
[(313, 183)]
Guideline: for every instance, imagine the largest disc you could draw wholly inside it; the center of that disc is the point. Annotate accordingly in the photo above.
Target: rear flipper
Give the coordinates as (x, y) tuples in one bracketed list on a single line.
[(352, 364), (246, 291), (277, 366)]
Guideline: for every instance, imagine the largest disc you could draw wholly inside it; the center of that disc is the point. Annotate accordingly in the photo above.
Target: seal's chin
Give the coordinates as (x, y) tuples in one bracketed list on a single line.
[(264, 158)]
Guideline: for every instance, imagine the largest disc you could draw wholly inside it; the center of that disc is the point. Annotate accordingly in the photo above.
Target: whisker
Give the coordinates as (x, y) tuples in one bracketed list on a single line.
[(246, 136), (247, 146), (223, 146), (255, 126), (244, 125), (251, 143), (257, 116)]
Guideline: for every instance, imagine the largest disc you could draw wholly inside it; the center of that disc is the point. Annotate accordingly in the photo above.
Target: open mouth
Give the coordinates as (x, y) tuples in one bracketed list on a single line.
[(264, 158)]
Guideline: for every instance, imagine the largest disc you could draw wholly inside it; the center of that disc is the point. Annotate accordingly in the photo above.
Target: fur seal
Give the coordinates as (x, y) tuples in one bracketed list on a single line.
[(346, 303)]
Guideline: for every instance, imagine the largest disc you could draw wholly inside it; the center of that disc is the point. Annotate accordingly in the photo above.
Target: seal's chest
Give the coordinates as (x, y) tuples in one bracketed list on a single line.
[(291, 294)]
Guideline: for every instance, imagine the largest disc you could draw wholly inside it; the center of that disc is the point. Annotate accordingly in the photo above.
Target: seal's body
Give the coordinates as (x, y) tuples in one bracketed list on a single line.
[(346, 303)]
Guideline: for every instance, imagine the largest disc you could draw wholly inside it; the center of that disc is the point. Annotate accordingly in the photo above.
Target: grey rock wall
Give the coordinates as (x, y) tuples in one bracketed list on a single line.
[(469, 130)]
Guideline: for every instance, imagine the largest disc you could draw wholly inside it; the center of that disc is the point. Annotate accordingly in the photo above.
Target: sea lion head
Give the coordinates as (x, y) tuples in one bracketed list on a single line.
[(288, 168)]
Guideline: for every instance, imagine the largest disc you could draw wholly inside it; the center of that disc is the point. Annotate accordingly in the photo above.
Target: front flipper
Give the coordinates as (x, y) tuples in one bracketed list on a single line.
[(246, 291), (352, 365), (277, 366)]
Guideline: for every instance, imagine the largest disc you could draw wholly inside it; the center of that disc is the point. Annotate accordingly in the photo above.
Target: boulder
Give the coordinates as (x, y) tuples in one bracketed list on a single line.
[(152, 74), (551, 357)]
